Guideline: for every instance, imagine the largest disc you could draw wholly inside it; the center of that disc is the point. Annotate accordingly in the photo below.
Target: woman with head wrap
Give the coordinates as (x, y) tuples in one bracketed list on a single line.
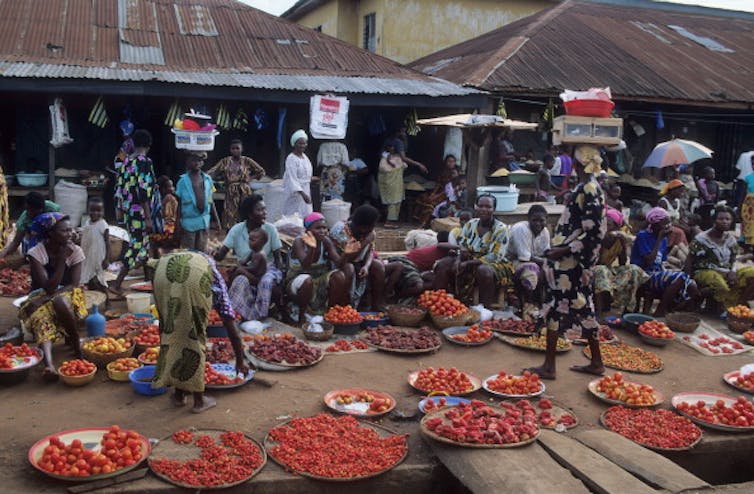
[(56, 302), (712, 255), (671, 202), (297, 178), (390, 182), (318, 275), (675, 289), (568, 271), (615, 281)]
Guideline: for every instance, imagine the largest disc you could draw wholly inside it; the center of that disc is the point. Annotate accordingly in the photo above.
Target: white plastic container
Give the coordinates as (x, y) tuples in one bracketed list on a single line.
[(335, 211), (138, 303), (194, 140), (507, 198)]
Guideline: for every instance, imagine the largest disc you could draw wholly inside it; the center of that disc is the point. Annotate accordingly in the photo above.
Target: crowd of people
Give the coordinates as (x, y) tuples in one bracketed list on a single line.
[(590, 264)]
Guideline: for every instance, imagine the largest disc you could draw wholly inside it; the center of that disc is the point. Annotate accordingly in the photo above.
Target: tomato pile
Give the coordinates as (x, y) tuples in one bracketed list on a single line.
[(376, 405), (107, 345), (78, 367), (342, 345), (403, 339), (654, 428), (335, 447), (124, 364), (626, 357), (656, 329), (477, 423), (741, 312), (149, 336), (374, 317), (525, 384), (216, 320), (543, 411), (215, 378), (284, 348), (745, 381), (474, 334), (510, 325), (220, 351), (233, 460), (119, 449), (149, 356), (433, 404), (343, 314), (451, 381), (15, 282), (615, 388), (440, 303), (741, 414), (540, 342), (13, 356), (749, 337), (715, 346)]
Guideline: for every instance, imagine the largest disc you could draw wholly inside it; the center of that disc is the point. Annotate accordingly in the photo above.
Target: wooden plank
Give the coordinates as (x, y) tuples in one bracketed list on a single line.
[(525, 470), (649, 466), (596, 471), (101, 484)]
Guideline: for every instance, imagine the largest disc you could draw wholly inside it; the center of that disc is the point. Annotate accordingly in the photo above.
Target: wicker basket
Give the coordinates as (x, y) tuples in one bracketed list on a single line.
[(740, 324), (682, 322), (78, 380), (399, 318), (120, 376), (325, 335), (102, 359), (469, 317)]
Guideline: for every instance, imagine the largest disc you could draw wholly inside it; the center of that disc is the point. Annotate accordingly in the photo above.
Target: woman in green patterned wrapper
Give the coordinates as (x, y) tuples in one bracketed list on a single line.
[(187, 286)]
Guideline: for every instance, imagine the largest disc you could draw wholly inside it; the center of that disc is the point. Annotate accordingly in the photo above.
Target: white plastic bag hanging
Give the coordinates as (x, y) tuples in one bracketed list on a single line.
[(328, 117), (59, 119)]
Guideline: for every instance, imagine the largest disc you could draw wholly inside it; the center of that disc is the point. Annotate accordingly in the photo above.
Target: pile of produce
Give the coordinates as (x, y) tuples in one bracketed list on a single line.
[(374, 317), (741, 414), (234, 459), (376, 404), (106, 345), (656, 329), (615, 388), (604, 334), (149, 336), (545, 417), (214, 378), (126, 324), (15, 282), (653, 428), (335, 447), (475, 334), (741, 312), (78, 367), (220, 351), (15, 356), (216, 320), (451, 381), (525, 384), (477, 423), (433, 404), (341, 345), (749, 337), (510, 326), (124, 364), (403, 339), (149, 356), (409, 311), (717, 345), (284, 349), (540, 342), (119, 449), (628, 358), (440, 303), (343, 314), (745, 381)]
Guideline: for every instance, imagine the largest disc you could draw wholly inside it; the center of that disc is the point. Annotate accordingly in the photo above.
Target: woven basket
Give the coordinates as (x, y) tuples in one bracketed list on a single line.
[(740, 325), (399, 318), (469, 317), (325, 335), (682, 322), (102, 359)]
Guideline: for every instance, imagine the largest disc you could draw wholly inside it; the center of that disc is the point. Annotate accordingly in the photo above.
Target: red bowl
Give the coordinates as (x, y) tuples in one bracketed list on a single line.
[(589, 107)]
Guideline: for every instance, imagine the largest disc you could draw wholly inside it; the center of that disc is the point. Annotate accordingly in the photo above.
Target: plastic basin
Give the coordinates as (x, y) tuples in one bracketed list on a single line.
[(144, 387)]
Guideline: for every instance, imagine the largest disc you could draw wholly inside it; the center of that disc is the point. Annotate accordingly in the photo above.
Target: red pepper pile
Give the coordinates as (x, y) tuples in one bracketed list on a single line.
[(655, 428), (450, 381), (234, 460), (477, 423), (346, 346), (335, 447), (221, 351), (510, 325), (403, 339), (284, 348), (741, 414), (11, 356), (15, 282), (212, 377), (545, 417)]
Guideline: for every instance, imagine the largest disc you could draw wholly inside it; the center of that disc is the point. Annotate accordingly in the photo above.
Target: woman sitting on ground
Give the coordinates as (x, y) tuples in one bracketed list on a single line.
[(56, 302), (318, 276), (712, 256), (615, 281), (482, 263), (408, 276), (676, 289)]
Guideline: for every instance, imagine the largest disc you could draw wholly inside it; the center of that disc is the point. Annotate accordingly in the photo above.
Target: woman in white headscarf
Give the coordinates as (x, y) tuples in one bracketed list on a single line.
[(297, 178)]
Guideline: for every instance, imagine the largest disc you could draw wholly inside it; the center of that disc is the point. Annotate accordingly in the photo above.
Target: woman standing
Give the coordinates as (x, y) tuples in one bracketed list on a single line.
[(747, 209), (237, 171), (390, 182), (297, 178), (712, 255), (253, 302), (140, 201), (56, 301), (4, 219), (186, 287)]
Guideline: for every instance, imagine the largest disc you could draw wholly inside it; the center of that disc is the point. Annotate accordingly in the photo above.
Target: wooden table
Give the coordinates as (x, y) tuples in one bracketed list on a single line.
[(520, 213)]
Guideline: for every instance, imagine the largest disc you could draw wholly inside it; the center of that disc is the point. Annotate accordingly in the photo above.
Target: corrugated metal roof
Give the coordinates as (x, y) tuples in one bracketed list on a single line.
[(638, 52), (206, 42)]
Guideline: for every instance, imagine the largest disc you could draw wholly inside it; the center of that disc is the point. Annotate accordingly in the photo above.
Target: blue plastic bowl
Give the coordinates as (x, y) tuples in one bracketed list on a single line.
[(373, 323), (141, 387), (632, 321)]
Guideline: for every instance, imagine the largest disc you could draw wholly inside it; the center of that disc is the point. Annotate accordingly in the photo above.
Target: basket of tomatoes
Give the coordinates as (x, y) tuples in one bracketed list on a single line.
[(149, 356), (118, 370), (105, 349), (77, 372), (445, 310), (147, 338), (401, 315), (344, 318), (740, 319), (656, 333)]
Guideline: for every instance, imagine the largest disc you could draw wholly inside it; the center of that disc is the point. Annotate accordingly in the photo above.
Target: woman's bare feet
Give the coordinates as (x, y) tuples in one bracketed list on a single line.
[(542, 371), (205, 404)]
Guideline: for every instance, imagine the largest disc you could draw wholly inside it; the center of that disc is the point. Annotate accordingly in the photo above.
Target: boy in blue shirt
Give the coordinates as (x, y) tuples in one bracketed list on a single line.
[(194, 192)]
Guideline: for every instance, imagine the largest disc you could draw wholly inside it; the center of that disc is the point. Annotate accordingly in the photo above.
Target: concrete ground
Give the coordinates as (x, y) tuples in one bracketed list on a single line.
[(34, 409)]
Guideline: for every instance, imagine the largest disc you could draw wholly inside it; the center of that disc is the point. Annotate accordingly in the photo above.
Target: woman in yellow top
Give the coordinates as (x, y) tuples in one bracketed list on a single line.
[(238, 171), (390, 182)]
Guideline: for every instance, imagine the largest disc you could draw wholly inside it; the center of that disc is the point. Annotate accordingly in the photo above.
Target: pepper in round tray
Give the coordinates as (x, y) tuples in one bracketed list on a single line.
[(614, 389), (657, 429), (284, 349), (628, 358), (451, 381), (389, 337)]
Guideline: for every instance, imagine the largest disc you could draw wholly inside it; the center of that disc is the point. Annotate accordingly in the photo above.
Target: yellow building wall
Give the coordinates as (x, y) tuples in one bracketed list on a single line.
[(348, 22), (326, 16), (366, 7)]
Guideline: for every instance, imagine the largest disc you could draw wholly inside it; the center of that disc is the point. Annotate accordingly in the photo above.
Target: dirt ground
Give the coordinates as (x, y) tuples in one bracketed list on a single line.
[(34, 409)]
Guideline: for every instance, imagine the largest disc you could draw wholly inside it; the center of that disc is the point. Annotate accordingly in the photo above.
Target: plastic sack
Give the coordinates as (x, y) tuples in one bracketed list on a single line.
[(420, 238), (72, 200), (291, 225), (485, 314), (253, 327)]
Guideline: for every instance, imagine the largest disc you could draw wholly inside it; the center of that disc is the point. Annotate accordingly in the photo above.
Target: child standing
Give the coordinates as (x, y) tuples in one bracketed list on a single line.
[(95, 242), (168, 239), (544, 181), (254, 266)]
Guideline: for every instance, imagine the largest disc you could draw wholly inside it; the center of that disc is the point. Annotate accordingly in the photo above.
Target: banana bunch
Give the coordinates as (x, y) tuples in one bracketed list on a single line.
[(241, 120), (223, 117), (412, 128), (549, 113), (98, 115), (174, 113), (501, 111)]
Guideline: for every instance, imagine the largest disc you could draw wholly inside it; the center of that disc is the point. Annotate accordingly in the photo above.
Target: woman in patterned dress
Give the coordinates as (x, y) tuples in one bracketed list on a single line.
[(4, 220), (187, 286), (238, 171), (575, 250)]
